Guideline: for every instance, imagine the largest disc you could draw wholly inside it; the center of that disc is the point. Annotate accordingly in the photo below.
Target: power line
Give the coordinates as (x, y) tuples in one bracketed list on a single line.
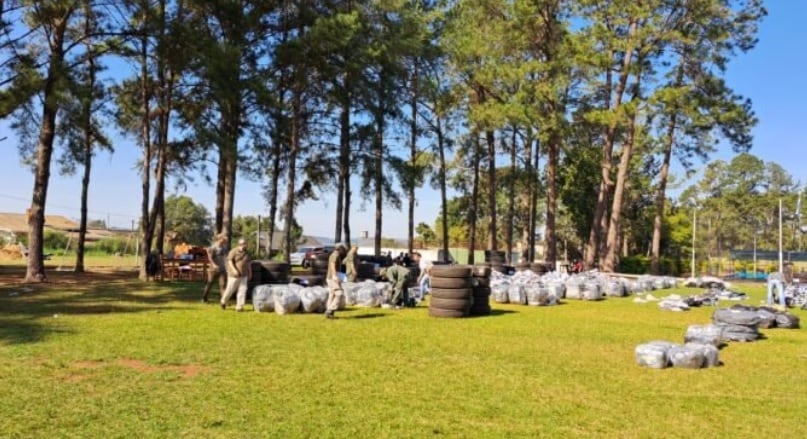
[(76, 209)]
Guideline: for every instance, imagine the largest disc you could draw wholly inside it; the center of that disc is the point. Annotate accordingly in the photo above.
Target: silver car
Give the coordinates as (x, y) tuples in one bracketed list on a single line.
[(298, 257)]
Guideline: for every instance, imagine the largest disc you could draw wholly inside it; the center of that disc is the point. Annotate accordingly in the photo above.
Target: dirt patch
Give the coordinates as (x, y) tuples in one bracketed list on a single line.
[(186, 370)]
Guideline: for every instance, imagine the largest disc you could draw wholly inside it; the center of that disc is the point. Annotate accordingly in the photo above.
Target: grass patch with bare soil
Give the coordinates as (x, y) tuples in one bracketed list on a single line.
[(118, 358)]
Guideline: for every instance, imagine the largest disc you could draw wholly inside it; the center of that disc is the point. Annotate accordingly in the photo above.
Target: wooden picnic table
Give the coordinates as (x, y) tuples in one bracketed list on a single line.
[(183, 269)]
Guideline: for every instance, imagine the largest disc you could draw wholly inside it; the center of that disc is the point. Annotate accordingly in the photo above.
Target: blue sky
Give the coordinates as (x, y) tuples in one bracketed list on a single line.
[(772, 75)]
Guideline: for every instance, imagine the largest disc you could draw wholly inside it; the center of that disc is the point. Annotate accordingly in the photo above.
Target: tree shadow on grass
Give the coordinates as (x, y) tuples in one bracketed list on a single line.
[(25, 308), (369, 316), (495, 313)]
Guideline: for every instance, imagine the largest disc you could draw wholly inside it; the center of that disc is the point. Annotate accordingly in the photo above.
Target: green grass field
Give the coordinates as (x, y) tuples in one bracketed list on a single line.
[(119, 358)]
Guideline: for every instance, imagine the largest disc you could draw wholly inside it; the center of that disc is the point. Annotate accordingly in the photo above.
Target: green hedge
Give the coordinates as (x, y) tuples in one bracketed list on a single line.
[(54, 240), (641, 265), (112, 246)]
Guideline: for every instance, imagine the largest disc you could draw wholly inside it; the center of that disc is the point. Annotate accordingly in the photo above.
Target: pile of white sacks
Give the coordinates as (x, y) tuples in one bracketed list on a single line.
[(293, 298), (738, 323), (529, 288)]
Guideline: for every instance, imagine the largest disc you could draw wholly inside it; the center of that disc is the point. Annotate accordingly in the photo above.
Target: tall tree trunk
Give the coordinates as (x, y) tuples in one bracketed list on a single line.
[(612, 243), (599, 222), (344, 171), (378, 172), (661, 191), (291, 180), (526, 204), (413, 151), (493, 239), (348, 195), (273, 190), (441, 150), (146, 227), (86, 119), (534, 202), (35, 271), (221, 172), (511, 198), (550, 235), (474, 211)]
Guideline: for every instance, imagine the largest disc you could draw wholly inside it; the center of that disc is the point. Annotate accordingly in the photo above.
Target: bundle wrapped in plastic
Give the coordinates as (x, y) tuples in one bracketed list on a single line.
[(537, 295), (637, 287), (369, 295), (615, 288), (499, 292), (787, 321), (659, 283), (263, 299), (574, 288), (653, 354), (731, 332), (385, 291), (287, 298), (556, 288), (592, 291), (733, 316), (314, 299), (687, 357), (673, 304), (526, 277), (710, 353), (351, 290), (704, 334), (515, 294)]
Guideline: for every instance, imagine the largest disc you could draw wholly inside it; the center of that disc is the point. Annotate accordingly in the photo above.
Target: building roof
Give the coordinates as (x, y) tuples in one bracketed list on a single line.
[(18, 223)]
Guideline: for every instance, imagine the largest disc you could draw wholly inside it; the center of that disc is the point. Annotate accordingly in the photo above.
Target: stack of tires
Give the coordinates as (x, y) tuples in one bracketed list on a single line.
[(451, 291), (497, 260), (274, 272), (319, 266), (538, 268), (267, 272), (480, 305), (365, 271)]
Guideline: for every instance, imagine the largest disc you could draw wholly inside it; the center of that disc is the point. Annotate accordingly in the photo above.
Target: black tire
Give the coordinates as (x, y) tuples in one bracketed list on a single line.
[(450, 271), (446, 313), (481, 271), (538, 268), (455, 304), (276, 266), (480, 310), (481, 282), (522, 267), (310, 279), (499, 267), (481, 292), (456, 293), (450, 282), (274, 277)]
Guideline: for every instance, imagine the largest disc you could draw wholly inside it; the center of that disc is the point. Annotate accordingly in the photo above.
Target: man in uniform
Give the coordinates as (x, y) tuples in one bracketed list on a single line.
[(350, 263), (238, 272), (399, 276), (217, 270), (332, 279)]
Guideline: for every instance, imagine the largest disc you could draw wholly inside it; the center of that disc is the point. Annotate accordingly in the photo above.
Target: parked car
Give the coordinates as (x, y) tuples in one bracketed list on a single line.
[(299, 257), (325, 249)]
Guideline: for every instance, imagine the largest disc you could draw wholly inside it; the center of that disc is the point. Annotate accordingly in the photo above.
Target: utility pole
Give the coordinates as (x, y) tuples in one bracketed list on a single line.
[(781, 255), (258, 239)]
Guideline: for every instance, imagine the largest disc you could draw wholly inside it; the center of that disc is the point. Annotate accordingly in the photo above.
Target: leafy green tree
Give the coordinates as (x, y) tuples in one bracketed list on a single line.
[(189, 220)]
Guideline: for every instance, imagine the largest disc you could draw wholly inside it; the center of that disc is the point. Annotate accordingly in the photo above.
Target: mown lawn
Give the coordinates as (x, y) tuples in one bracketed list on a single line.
[(126, 359)]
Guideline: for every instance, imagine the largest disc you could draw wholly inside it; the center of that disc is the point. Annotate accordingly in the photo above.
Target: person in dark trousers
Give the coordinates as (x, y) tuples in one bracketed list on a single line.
[(217, 270), (399, 276)]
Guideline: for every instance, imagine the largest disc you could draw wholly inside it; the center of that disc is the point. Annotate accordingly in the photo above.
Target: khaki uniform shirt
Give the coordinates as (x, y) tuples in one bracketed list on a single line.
[(238, 263)]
